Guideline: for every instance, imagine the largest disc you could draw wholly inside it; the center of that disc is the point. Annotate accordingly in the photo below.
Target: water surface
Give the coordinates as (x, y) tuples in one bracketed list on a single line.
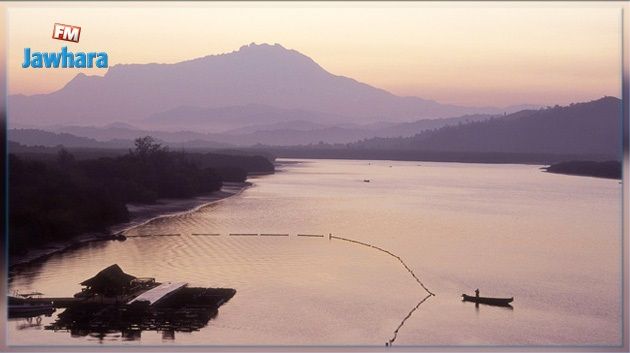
[(551, 241)]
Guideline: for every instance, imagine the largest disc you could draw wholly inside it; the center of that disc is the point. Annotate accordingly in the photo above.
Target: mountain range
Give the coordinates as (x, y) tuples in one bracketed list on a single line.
[(590, 130), (267, 95), (257, 84)]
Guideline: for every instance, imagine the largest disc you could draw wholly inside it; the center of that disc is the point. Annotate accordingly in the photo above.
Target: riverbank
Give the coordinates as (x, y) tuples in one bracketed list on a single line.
[(139, 214), (607, 169), (309, 152)]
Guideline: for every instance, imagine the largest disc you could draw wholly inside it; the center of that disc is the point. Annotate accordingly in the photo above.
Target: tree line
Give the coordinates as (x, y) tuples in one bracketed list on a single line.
[(60, 198)]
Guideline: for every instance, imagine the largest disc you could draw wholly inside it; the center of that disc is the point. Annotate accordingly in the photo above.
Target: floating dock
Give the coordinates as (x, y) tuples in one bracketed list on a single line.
[(158, 293)]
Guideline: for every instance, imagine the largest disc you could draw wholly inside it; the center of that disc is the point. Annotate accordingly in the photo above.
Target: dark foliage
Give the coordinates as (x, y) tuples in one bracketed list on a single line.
[(57, 199), (228, 165), (232, 174), (592, 128), (607, 169)]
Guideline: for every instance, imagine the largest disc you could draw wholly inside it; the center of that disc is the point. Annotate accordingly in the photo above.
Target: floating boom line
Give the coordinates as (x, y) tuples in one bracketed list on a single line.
[(390, 254), (405, 319)]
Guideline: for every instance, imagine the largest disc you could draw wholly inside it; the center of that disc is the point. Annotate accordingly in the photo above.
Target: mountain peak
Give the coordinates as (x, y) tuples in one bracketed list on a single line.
[(262, 46), (265, 74), (269, 53)]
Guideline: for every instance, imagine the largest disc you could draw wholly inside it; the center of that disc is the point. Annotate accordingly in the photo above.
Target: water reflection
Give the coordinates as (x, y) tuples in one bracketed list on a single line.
[(502, 306), (24, 323), (30, 270), (127, 322), (402, 323), (547, 239)]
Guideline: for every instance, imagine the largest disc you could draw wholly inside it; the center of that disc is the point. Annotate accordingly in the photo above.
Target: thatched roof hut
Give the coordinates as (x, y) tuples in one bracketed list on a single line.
[(110, 281)]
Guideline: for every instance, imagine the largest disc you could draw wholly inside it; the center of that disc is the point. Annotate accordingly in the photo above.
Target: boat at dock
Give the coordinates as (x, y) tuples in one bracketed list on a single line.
[(25, 307), (113, 300), (487, 300)]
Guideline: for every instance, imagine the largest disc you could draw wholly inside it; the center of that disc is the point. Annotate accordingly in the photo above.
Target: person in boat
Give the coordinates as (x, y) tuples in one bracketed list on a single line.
[(477, 293)]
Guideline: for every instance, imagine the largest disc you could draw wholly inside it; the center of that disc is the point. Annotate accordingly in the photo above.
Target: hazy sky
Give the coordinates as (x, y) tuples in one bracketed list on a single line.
[(465, 53)]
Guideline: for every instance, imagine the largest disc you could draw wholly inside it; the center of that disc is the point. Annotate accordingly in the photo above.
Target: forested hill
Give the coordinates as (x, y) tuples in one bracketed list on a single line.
[(591, 128)]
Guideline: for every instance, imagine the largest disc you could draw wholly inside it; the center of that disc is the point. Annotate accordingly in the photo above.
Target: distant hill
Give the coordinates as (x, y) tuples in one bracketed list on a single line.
[(234, 117), (295, 132), (125, 133), (34, 137), (579, 130), (414, 127), (592, 128), (298, 125), (255, 75), (42, 138)]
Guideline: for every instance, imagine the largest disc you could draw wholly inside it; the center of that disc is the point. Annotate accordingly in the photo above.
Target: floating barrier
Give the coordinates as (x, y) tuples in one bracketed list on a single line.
[(387, 252), (402, 323), (330, 237), (154, 235)]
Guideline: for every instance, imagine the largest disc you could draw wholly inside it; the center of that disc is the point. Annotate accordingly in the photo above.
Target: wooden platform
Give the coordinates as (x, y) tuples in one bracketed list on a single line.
[(63, 302), (58, 302), (160, 292)]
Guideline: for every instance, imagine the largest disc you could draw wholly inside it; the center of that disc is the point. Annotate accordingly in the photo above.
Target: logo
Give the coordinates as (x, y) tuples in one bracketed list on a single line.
[(64, 59), (66, 32)]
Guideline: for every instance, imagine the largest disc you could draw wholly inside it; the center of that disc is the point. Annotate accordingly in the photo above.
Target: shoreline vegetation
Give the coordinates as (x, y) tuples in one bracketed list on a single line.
[(65, 202), (606, 169), (62, 202), (140, 214), (334, 152)]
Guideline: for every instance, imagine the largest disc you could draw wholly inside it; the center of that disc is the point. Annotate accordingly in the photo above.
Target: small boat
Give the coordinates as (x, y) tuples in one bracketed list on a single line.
[(366, 180), (19, 307), (487, 301)]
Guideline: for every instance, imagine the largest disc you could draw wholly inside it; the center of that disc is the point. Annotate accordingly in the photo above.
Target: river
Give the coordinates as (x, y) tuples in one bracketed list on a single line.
[(553, 242)]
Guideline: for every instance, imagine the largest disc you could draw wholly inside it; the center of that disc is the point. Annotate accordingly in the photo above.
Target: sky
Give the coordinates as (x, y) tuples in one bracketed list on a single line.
[(476, 54)]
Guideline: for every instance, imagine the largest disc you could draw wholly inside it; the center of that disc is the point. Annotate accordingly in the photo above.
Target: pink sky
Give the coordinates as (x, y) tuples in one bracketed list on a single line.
[(465, 53)]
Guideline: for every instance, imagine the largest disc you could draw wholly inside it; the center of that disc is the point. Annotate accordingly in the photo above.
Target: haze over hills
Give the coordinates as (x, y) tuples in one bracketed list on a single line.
[(258, 84), (579, 131), (35, 137), (591, 128), (233, 117), (277, 134)]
